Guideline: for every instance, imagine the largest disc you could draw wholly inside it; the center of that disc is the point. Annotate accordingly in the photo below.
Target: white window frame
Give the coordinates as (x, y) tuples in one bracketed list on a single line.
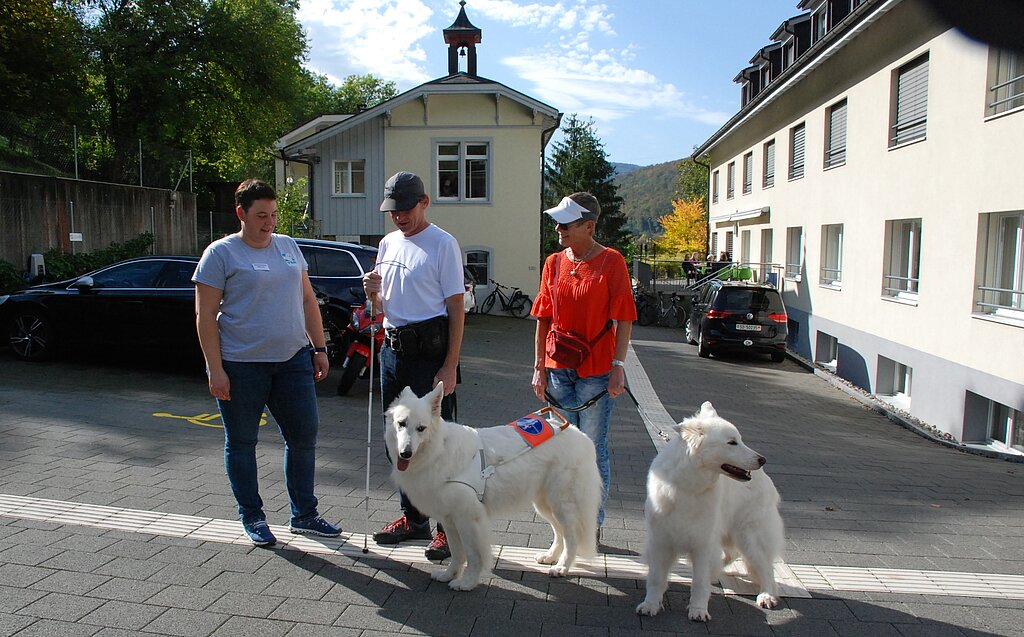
[(797, 151), (1001, 263), (901, 267), (464, 161), (908, 118), (730, 180), (343, 177), (1005, 92), (794, 252), (714, 187), (476, 258), (835, 135), (768, 178), (831, 271)]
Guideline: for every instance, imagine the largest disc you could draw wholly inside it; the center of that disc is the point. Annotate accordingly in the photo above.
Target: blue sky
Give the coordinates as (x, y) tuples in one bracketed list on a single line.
[(655, 75)]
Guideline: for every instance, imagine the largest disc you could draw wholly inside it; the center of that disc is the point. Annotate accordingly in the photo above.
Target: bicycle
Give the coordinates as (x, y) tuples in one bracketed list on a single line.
[(514, 302), (673, 314), (646, 309)]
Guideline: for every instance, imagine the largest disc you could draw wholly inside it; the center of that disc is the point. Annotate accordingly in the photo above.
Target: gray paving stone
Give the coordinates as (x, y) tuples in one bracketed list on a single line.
[(246, 604), (249, 626), (308, 611), (10, 624), (126, 615), (183, 597), (70, 582), (51, 628), (68, 608), (186, 623), (126, 590), (13, 598)]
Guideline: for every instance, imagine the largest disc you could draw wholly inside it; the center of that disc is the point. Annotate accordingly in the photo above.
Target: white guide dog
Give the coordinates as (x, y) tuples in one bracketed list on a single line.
[(706, 500), (432, 458)]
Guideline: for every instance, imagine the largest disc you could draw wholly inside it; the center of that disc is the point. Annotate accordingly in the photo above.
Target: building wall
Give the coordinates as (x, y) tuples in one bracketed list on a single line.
[(966, 166), (508, 226)]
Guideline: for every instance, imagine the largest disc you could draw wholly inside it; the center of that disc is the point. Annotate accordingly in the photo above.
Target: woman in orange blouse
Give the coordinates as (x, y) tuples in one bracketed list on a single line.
[(592, 287)]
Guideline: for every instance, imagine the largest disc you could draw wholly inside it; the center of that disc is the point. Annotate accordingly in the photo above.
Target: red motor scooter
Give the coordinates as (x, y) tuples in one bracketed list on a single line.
[(357, 357)]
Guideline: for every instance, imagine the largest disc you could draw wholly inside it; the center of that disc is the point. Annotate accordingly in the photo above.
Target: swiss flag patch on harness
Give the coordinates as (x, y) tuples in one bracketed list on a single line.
[(540, 427)]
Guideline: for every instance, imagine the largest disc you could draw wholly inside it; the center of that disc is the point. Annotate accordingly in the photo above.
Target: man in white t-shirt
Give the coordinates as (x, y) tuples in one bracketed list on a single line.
[(418, 283)]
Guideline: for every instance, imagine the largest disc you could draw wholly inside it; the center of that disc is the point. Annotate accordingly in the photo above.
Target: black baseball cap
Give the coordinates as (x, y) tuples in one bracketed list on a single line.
[(402, 192)]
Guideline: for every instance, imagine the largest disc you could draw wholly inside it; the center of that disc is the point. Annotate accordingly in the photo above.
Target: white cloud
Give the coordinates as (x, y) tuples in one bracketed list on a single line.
[(380, 37), (566, 16)]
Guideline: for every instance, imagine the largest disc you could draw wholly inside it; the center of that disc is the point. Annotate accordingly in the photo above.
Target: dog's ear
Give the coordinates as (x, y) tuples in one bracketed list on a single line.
[(434, 398), (692, 432), (707, 410), (406, 394)]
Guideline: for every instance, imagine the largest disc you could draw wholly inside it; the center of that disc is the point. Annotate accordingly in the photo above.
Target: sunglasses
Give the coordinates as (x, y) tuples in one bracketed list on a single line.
[(571, 224)]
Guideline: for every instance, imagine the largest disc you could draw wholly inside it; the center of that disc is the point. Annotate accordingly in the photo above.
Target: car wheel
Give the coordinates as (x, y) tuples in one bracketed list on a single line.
[(31, 336), (778, 357), (521, 307), (488, 303), (703, 350), (689, 333), (350, 373)]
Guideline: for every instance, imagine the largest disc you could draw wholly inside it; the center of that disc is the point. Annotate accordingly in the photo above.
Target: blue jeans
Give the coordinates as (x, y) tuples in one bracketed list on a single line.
[(566, 387), (397, 373), (287, 390)]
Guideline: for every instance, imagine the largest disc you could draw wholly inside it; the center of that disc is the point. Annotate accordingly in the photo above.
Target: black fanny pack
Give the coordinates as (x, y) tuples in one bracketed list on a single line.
[(426, 339)]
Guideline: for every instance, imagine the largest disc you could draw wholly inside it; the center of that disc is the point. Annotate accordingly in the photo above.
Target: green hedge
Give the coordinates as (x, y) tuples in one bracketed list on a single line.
[(61, 266)]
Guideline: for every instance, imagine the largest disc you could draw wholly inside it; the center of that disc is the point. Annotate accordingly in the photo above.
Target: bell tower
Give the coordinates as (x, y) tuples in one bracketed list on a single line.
[(462, 38)]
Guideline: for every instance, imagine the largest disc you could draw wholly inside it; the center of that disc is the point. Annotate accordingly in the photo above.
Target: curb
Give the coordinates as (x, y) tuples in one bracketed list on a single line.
[(870, 401)]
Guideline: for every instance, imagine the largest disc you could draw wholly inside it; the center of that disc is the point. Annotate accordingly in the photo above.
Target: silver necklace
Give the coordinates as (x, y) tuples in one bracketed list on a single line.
[(576, 262)]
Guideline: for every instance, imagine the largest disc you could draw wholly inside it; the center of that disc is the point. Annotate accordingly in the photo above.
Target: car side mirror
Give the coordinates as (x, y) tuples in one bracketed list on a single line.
[(85, 284)]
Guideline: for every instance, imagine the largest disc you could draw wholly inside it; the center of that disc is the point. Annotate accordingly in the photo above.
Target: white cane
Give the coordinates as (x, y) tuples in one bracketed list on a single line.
[(369, 413)]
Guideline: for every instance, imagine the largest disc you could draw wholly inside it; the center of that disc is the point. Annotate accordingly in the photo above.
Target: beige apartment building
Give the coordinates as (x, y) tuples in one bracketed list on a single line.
[(876, 161)]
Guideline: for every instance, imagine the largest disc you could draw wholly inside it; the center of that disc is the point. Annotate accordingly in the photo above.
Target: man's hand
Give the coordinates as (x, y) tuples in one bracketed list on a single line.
[(220, 386), (540, 383), (446, 375), (321, 366), (617, 381), (371, 283)]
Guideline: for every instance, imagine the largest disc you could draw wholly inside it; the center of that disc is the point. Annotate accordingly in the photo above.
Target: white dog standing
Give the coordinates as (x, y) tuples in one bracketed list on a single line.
[(437, 466), (692, 511)]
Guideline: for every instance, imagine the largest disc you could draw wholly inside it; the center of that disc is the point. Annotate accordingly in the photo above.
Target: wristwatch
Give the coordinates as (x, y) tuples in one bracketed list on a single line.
[(617, 363), (319, 350)]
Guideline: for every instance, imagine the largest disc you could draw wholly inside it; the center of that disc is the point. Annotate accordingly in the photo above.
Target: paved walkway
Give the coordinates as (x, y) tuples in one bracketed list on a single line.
[(116, 518)]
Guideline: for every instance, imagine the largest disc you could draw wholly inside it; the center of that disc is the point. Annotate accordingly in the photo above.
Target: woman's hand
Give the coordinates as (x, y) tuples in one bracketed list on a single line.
[(540, 383), (616, 381), (220, 386)]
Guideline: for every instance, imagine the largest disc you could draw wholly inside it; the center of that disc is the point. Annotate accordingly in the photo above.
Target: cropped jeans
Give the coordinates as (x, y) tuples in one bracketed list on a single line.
[(569, 390), (287, 390)]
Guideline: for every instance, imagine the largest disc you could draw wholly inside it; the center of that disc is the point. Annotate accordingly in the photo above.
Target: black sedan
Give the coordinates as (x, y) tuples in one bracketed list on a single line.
[(147, 301)]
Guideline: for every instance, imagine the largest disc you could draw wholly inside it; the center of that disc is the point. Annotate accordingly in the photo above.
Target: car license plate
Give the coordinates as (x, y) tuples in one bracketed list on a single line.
[(743, 327)]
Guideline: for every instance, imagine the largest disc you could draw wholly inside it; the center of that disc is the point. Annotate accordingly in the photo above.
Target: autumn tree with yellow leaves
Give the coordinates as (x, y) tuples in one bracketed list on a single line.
[(685, 228)]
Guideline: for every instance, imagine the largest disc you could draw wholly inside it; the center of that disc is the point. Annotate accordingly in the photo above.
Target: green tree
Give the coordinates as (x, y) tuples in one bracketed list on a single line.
[(579, 163), (318, 96), (42, 60), (215, 76), (692, 183)]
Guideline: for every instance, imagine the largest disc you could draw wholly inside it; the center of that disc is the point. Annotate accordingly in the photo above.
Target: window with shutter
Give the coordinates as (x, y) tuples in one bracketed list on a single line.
[(796, 151), (730, 180), (769, 164), (748, 173), (835, 140), (714, 187), (910, 102)]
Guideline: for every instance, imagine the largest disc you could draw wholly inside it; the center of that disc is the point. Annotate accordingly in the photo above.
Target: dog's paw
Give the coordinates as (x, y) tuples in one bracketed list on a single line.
[(443, 575), (699, 614), (558, 571), (463, 584), (764, 600), (545, 558), (648, 608)]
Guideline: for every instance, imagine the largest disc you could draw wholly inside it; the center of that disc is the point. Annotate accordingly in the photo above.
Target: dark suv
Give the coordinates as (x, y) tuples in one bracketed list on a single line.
[(736, 315), (336, 269)]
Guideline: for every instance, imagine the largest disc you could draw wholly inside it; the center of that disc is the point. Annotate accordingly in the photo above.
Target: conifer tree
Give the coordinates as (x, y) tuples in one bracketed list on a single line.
[(578, 163)]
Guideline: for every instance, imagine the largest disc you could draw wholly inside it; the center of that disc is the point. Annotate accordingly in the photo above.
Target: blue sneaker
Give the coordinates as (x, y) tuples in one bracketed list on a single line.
[(315, 525), (259, 533)]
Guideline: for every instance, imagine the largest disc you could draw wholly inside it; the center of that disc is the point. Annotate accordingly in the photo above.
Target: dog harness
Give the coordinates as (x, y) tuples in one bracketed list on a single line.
[(535, 429)]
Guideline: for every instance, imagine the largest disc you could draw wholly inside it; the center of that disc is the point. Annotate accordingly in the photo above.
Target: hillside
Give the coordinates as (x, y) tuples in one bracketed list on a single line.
[(647, 194)]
